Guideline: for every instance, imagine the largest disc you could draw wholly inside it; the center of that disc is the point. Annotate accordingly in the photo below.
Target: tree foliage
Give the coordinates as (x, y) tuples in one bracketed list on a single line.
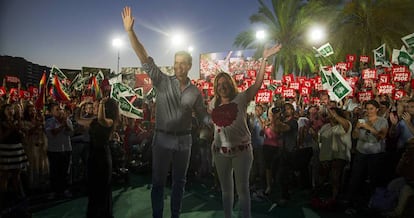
[(364, 25), (353, 27), (287, 22)]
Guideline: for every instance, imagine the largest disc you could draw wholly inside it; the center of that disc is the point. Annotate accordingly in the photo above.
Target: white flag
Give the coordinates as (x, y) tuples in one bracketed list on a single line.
[(335, 84), (402, 57), (379, 56), (325, 50), (408, 40)]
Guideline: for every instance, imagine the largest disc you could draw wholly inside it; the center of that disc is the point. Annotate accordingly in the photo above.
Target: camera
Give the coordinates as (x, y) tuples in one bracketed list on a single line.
[(280, 110), (276, 110)]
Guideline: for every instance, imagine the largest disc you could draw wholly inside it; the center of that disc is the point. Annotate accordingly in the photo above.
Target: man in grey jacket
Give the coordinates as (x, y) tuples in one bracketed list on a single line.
[(176, 99)]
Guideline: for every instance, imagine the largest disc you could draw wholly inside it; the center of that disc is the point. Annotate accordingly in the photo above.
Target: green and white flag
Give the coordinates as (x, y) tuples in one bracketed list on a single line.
[(402, 57), (115, 79), (335, 84), (56, 71), (100, 77), (78, 82), (151, 94), (139, 92), (325, 50), (408, 40), (128, 110), (61, 77), (327, 80), (341, 88), (272, 87), (379, 57), (121, 90)]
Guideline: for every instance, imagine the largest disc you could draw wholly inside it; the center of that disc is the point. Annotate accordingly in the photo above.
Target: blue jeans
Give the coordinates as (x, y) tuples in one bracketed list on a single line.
[(162, 157)]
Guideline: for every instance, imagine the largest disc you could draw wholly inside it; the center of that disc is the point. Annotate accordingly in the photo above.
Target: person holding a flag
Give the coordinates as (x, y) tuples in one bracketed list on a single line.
[(176, 99)]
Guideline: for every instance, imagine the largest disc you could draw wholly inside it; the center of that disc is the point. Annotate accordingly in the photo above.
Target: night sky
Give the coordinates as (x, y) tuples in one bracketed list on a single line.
[(75, 33)]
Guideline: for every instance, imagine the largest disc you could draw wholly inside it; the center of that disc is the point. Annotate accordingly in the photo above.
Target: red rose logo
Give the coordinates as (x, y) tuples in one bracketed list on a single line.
[(224, 115)]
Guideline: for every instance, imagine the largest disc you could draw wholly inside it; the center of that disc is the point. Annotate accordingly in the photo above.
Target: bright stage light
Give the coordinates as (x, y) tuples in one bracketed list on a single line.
[(177, 39), (316, 34), (117, 43), (260, 35)]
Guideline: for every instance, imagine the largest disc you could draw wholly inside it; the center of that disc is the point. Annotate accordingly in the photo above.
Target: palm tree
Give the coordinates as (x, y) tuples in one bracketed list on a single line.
[(287, 22), (364, 25)]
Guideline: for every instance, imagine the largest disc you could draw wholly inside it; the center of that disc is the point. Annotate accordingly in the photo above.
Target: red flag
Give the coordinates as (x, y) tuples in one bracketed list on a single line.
[(40, 101)]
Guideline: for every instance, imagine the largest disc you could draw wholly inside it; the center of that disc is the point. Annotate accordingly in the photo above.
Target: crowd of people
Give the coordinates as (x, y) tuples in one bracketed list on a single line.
[(345, 152)]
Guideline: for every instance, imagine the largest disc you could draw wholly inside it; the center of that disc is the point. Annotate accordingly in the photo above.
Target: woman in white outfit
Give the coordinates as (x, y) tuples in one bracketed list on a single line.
[(232, 151)]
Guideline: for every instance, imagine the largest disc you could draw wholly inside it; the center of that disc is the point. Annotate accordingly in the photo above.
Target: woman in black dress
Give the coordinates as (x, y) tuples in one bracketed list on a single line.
[(100, 162)]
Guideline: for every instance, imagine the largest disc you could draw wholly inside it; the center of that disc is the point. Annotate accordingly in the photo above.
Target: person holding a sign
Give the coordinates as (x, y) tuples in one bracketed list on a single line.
[(176, 100), (231, 147)]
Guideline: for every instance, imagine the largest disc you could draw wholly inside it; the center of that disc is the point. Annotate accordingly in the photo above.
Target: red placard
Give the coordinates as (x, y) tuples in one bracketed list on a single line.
[(247, 83), (286, 79), (294, 85), (350, 58), (288, 93), (14, 95), (268, 75), (251, 73), (279, 90), (143, 80), (12, 79), (304, 90), (368, 83), (341, 65), (277, 82), (385, 88), (398, 94), (401, 77), (364, 59), (365, 96), (239, 77), (369, 74), (300, 79), (24, 94), (307, 83), (34, 91), (352, 81), (399, 69), (384, 78), (264, 96), (349, 65)]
